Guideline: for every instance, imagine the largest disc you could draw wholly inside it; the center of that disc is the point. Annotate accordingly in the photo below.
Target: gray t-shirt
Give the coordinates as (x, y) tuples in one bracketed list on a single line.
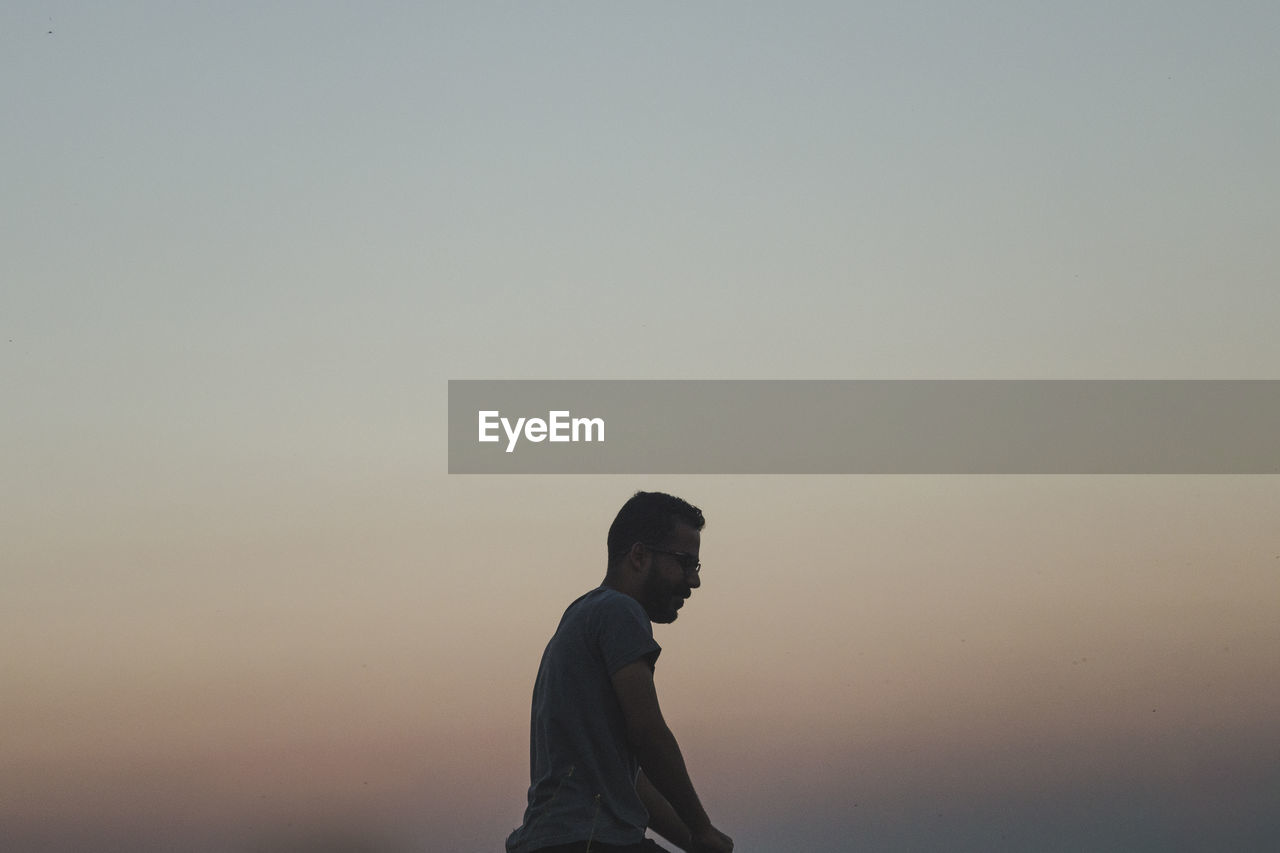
[(582, 772)]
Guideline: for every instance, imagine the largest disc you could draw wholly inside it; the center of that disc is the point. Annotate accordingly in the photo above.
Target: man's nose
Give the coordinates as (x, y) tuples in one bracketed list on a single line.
[(694, 580)]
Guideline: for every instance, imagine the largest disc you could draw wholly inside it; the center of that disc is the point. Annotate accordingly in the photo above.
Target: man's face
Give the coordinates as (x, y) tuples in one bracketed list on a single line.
[(668, 585)]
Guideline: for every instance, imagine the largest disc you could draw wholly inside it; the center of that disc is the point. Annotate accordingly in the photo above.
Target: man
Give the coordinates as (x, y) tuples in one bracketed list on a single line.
[(604, 766)]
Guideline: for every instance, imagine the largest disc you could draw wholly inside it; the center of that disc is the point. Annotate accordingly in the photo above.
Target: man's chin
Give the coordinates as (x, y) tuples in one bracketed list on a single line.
[(664, 617)]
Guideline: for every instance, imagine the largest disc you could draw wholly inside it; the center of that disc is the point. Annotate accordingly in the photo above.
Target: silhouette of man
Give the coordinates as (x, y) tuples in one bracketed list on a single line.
[(604, 766)]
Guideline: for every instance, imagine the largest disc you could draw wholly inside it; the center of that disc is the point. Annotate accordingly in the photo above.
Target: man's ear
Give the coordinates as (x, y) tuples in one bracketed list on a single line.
[(638, 556)]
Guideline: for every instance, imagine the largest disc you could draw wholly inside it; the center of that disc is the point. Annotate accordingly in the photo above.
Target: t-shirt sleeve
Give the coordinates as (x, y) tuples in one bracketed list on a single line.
[(625, 634)]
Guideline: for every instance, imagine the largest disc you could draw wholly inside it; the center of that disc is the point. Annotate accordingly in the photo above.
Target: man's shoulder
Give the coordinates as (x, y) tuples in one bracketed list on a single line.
[(606, 610), (604, 598)]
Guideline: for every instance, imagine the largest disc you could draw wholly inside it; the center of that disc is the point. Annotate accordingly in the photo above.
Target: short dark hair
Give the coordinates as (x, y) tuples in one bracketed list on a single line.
[(649, 517)]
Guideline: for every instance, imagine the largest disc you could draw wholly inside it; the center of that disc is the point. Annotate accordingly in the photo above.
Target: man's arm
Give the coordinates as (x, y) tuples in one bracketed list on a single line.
[(659, 755), (662, 817)]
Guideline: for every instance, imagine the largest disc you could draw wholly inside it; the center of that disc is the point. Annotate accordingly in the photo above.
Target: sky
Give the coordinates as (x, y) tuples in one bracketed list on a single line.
[(244, 247)]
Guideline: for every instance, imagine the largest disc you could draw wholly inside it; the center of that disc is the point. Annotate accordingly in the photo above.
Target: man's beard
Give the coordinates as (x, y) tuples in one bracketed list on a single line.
[(660, 598)]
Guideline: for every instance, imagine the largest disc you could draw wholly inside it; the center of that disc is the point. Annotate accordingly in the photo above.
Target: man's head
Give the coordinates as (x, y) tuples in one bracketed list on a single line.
[(653, 552)]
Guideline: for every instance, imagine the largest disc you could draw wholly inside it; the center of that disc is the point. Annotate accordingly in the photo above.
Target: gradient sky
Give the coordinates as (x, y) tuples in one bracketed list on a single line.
[(244, 247)]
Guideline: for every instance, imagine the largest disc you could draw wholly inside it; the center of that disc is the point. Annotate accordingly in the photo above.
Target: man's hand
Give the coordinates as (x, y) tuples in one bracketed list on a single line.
[(710, 840)]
